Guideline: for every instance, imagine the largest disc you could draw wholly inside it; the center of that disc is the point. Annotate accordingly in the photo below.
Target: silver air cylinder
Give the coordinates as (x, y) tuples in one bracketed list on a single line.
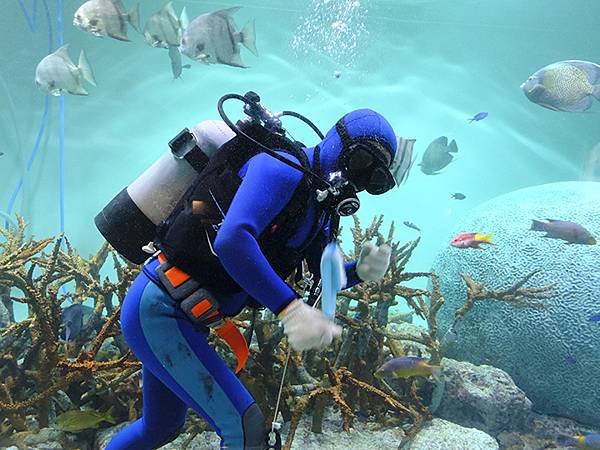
[(129, 221)]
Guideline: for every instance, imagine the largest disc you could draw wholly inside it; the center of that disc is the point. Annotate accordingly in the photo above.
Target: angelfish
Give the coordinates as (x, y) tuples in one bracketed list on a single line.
[(164, 29), (106, 17), (57, 73), (438, 155), (567, 86), (72, 321), (212, 39), (333, 277)]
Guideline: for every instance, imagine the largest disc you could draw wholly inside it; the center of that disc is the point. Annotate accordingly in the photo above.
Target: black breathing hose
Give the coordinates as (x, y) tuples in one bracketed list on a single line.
[(253, 105)]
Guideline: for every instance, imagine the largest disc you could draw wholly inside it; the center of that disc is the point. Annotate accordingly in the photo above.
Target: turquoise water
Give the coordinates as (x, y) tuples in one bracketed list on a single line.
[(426, 65)]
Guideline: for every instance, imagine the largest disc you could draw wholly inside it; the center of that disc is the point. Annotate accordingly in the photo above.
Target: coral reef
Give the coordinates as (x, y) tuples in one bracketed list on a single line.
[(550, 352), (43, 376), (35, 365)]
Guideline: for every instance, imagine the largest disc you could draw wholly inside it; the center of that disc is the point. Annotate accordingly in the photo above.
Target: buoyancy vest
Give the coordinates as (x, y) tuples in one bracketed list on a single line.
[(186, 237)]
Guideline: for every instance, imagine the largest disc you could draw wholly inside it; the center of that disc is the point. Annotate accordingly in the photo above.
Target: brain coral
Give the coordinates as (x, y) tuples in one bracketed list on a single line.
[(553, 354)]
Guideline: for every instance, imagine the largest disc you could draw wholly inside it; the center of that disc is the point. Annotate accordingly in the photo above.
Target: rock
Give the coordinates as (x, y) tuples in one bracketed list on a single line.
[(550, 353), (443, 435), (483, 397), (45, 439), (361, 437)]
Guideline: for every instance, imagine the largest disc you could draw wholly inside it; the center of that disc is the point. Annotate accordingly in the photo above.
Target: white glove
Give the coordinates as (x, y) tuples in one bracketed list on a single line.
[(373, 262), (306, 327)]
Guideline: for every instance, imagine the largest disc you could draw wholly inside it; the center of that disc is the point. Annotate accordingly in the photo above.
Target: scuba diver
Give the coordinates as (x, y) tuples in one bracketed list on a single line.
[(262, 205)]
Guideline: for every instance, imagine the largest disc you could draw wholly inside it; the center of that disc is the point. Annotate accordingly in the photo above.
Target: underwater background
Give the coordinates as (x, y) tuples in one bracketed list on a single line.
[(426, 65)]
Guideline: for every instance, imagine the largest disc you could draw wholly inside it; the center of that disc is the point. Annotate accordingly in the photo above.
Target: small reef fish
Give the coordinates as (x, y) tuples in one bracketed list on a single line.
[(78, 420), (337, 73), (163, 28), (72, 321), (212, 39), (564, 86), (106, 18), (589, 441), (176, 66), (595, 318), (470, 240), (571, 232), (404, 159), (438, 155), (407, 366), (479, 116), (57, 73), (570, 360), (411, 225), (459, 196)]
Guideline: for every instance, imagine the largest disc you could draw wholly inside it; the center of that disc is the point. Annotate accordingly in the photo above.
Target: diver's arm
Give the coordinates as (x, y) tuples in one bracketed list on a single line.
[(267, 187)]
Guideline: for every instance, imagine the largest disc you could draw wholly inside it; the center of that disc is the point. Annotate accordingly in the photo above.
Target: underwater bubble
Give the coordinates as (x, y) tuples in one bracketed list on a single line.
[(332, 28)]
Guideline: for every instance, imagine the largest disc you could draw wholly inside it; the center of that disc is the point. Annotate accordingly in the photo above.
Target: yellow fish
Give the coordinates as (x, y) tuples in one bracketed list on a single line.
[(407, 366), (78, 420)]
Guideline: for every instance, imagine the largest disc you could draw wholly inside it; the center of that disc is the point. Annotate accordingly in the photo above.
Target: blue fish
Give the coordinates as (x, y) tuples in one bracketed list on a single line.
[(595, 318), (570, 360), (479, 116), (72, 320), (333, 277)]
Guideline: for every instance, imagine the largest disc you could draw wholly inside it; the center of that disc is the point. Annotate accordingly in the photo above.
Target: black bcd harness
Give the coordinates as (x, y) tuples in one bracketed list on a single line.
[(186, 237)]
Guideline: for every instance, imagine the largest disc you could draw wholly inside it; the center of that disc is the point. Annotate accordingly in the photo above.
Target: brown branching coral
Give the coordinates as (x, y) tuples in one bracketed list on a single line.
[(36, 365), (517, 295)]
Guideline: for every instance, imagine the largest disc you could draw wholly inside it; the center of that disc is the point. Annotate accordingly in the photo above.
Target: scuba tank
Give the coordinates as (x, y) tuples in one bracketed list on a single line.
[(129, 221)]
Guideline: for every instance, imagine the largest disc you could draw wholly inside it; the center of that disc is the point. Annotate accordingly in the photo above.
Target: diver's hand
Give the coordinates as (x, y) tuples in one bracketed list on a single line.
[(307, 328), (373, 261)]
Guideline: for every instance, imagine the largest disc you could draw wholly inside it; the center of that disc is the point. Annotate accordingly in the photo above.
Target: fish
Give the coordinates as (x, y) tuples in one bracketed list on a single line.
[(411, 225), (403, 159), (57, 73), (407, 366), (106, 18), (570, 360), (459, 196), (163, 29), (567, 86), (571, 232), (470, 240), (1, 153), (479, 116), (438, 155), (212, 39), (78, 420), (176, 67), (595, 318), (588, 441), (72, 321), (337, 73)]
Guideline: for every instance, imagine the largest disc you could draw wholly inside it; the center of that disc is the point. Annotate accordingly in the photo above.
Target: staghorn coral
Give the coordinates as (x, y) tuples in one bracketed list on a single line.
[(341, 375), (36, 365)]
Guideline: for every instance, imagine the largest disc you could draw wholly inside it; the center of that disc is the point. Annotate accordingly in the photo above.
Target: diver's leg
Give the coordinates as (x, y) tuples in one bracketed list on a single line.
[(180, 357), (162, 419), (163, 412)]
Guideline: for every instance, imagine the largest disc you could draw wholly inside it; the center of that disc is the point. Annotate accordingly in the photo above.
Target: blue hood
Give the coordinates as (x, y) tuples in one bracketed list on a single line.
[(361, 123)]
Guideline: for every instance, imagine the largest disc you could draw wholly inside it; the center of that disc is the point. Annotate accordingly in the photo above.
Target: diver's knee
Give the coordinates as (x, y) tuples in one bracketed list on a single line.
[(169, 434), (254, 428)]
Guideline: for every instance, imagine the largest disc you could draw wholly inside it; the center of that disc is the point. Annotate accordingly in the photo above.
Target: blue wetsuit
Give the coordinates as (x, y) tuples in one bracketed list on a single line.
[(180, 369)]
